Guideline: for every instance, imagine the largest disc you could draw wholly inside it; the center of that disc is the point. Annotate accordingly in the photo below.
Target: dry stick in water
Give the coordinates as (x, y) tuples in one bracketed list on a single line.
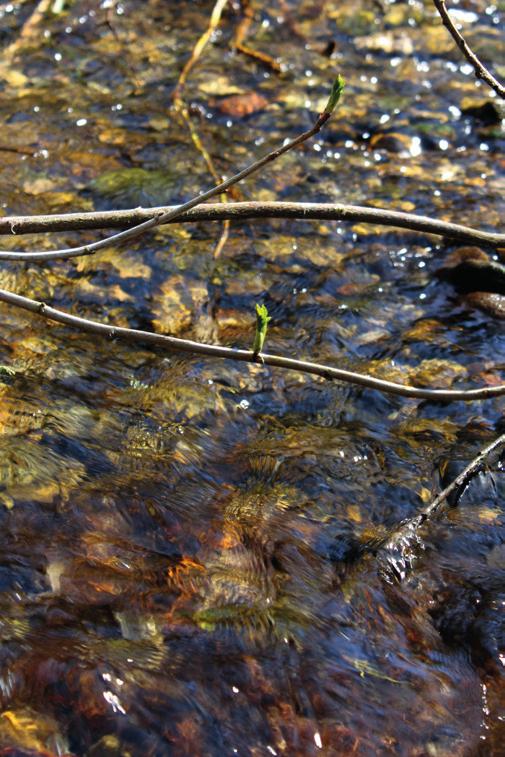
[(30, 31), (481, 72), (181, 107), (247, 356), (406, 532), (198, 49), (237, 211), (163, 216), (239, 40)]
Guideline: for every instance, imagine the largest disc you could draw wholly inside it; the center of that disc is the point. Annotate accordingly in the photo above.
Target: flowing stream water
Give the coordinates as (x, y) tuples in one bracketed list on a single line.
[(180, 536)]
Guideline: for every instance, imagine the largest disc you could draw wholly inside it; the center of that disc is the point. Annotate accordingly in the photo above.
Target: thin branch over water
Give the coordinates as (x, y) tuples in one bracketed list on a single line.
[(235, 211), (248, 356), (481, 72), (166, 215)]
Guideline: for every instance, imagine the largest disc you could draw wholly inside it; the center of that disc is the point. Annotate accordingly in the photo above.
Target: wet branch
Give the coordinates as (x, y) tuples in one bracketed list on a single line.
[(481, 72), (405, 533), (247, 356), (235, 211)]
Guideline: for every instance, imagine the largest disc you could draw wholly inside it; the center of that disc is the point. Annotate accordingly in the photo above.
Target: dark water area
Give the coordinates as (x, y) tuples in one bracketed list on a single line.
[(179, 535)]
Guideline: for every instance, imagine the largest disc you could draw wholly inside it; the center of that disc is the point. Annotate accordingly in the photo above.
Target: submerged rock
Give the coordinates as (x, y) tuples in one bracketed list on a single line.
[(491, 303), (480, 280), (470, 270)]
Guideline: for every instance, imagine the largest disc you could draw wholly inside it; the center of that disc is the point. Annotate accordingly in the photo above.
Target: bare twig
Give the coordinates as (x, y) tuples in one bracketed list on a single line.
[(165, 216), (405, 535), (237, 211), (247, 356), (481, 72)]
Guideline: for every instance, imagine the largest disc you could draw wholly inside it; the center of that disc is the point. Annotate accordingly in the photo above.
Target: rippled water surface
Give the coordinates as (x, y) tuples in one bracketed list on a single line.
[(180, 568)]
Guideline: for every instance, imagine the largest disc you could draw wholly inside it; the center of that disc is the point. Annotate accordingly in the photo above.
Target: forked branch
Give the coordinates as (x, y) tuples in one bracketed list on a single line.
[(236, 211), (165, 216)]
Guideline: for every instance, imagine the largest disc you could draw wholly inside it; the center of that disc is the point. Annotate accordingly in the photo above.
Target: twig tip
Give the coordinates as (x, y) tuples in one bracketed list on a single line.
[(336, 91)]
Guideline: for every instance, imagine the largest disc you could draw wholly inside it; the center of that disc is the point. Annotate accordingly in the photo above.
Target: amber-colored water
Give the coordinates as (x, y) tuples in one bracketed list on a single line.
[(178, 535)]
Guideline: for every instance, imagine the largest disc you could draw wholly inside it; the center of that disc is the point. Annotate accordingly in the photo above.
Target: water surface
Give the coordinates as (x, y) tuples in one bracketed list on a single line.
[(179, 535)]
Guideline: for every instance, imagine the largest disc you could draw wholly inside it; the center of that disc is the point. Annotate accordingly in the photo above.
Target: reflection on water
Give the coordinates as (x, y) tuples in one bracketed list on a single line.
[(181, 569)]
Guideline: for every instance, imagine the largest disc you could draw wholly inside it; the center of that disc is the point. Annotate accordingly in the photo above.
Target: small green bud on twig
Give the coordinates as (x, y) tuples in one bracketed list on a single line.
[(58, 7), (262, 319), (336, 91)]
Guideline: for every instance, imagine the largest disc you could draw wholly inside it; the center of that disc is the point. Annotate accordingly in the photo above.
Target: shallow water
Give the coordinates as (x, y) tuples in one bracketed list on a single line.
[(179, 570)]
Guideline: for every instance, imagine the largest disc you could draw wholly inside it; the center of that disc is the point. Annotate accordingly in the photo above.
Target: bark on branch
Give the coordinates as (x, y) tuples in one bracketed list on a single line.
[(240, 211), (166, 215), (481, 72), (248, 356)]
